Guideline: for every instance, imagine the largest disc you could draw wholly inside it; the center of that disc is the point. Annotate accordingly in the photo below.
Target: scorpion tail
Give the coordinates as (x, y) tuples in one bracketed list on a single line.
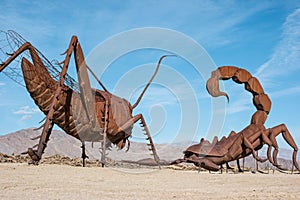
[(150, 81), (260, 100)]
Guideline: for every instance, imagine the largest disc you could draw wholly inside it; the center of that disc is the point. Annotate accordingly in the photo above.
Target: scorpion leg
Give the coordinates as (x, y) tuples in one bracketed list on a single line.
[(180, 160), (269, 151), (270, 145), (199, 162), (275, 131), (204, 163), (254, 153), (276, 148)]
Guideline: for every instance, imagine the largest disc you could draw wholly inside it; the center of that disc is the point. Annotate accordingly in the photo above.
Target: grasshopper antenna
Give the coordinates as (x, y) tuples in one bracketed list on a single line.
[(151, 79)]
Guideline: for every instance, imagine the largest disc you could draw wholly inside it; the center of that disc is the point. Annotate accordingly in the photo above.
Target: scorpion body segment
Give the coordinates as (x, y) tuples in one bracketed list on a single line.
[(260, 100), (249, 140)]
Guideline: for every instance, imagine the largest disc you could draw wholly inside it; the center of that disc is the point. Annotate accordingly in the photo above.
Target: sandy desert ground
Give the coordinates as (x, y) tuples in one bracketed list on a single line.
[(22, 181)]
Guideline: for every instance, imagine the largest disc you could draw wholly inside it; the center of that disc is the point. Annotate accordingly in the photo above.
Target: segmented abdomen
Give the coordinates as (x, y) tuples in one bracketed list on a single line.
[(42, 87)]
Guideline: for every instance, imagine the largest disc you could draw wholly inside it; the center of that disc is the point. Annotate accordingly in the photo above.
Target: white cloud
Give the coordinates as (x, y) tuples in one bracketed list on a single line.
[(158, 95), (26, 117), (286, 55), (239, 105), (285, 92), (221, 21), (21, 24), (26, 110), (211, 23), (174, 92), (2, 84)]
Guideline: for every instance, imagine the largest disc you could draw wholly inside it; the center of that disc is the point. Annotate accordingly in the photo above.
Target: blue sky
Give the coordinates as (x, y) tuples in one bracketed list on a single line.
[(260, 36)]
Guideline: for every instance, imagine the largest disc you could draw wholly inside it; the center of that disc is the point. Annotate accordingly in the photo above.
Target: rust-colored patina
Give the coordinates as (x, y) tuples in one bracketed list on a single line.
[(89, 114), (248, 141)]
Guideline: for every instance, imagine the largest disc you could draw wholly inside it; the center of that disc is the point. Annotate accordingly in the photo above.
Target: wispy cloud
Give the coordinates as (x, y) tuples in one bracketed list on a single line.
[(204, 15), (160, 95), (2, 84), (215, 21), (174, 92), (26, 117), (26, 22), (26, 112), (231, 14), (286, 56), (285, 92), (240, 105)]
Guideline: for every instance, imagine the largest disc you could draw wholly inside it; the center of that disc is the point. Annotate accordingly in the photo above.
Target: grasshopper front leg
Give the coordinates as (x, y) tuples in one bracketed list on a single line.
[(130, 123)]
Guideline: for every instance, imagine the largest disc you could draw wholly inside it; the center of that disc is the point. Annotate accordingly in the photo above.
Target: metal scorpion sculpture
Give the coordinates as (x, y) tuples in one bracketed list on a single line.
[(248, 141), (88, 114)]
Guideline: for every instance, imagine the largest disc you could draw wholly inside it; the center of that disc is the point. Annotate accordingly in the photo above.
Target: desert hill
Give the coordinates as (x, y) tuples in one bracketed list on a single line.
[(62, 144)]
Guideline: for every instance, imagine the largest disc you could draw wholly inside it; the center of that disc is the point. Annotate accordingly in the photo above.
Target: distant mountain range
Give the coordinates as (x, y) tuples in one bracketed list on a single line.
[(61, 143)]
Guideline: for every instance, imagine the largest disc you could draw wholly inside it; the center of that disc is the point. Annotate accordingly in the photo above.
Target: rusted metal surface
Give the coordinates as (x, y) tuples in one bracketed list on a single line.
[(210, 155), (88, 114)]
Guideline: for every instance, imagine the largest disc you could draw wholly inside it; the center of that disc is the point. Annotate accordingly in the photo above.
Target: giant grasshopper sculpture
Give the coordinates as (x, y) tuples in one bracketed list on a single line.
[(248, 141), (88, 114)]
